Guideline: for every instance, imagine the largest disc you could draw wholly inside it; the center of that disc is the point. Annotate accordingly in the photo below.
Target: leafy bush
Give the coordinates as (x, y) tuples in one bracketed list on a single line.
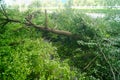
[(26, 56)]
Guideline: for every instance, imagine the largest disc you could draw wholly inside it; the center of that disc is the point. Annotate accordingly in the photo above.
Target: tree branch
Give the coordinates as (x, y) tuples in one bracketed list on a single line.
[(46, 19), (91, 62), (43, 28), (3, 11), (59, 32)]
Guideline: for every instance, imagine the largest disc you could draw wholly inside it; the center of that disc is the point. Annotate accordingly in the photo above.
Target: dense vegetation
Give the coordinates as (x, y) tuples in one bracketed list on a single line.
[(27, 53)]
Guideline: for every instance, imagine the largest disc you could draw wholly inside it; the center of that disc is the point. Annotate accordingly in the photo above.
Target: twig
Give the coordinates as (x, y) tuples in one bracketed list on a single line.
[(4, 12), (116, 71), (91, 62)]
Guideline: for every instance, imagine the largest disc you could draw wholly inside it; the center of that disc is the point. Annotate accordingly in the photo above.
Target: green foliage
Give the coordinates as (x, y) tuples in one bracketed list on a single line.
[(93, 32), (26, 56), (30, 54), (73, 22)]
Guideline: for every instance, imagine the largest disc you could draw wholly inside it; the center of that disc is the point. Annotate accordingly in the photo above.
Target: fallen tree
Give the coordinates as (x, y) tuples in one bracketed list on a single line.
[(5, 20)]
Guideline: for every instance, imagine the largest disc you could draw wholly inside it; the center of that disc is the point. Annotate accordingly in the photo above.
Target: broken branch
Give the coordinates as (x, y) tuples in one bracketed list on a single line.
[(46, 19), (59, 32), (4, 12)]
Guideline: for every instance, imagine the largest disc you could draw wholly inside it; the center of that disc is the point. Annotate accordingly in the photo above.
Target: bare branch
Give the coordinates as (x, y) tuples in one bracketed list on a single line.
[(4, 11), (91, 62), (46, 19), (59, 32)]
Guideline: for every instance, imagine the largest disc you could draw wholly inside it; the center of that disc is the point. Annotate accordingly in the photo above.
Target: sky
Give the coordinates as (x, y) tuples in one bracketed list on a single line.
[(63, 1), (27, 2), (11, 2)]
